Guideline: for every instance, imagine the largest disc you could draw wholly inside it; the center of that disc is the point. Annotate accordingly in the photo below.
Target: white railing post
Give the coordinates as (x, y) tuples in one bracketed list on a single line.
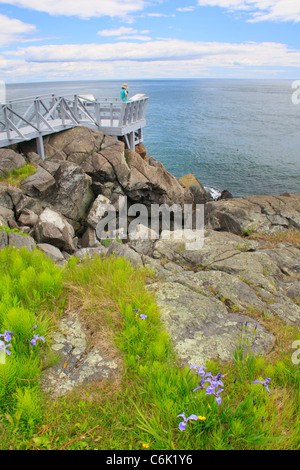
[(6, 123), (97, 113), (75, 107), (36, 109)]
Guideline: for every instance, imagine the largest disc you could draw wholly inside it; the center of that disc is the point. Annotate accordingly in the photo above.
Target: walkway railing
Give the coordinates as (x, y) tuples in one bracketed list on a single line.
[(33, 117)]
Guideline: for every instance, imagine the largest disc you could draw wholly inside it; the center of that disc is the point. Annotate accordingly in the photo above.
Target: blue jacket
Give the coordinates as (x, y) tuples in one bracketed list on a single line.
[(124, 95)]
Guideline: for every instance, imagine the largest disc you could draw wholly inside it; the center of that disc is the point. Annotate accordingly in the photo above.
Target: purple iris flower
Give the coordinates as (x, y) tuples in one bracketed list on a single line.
[(142, 316), (214, 377), (199, 369), (212, 391), (214, 383), (36, 338), (7, 335), (265, 383), (201, 385), (4, 346), (182, 424)]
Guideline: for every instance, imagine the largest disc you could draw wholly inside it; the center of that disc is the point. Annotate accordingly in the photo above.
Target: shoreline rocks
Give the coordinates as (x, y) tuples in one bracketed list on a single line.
[(206, 294)]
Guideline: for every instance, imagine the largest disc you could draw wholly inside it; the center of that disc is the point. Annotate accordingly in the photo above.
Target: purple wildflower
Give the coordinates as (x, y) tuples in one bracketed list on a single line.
[(201, 385), (182, 424), (3, 346), (214, 380), (211, 390), (142, 316), (7, 335), (34, 327), (265, 383), (199, 369), (36, 338)]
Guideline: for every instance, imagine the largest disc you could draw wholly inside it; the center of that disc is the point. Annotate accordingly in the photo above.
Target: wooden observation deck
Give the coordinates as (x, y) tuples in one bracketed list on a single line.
[(34, 117)]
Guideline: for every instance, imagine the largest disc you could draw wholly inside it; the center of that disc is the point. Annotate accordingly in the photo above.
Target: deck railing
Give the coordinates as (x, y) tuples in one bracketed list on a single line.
[(33, 117)]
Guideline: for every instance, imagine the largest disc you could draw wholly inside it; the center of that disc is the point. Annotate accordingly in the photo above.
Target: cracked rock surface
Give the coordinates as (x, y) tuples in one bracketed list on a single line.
[(78, 362)]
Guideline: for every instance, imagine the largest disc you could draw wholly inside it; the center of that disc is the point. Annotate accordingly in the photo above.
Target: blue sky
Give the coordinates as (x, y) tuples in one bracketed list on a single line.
[(53, 40)]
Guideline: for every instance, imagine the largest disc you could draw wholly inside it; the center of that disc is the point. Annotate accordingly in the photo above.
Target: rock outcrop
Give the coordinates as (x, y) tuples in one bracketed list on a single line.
[(206, 293), (263, 214)]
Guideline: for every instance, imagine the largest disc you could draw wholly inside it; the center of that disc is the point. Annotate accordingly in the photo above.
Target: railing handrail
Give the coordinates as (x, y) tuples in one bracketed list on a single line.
[(51, 113)]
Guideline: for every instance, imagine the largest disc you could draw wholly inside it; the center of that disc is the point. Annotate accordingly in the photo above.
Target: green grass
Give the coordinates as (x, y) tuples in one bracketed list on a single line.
[(139, 408), (14, 177), (3, 228)]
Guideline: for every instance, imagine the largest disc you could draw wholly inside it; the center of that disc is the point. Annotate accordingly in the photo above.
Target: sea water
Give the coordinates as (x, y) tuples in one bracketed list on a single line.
[(239, 135)]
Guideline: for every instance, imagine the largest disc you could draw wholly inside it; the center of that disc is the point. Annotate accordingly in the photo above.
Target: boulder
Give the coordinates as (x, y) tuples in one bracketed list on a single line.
[(27, 217), (152, 184), (20, 241), (5, 199), (10, 160), (54, 253), (89, 239), (53, 229), (264, 214), (3, 240), (79, 140), (124, 251), (39, 185), (73, 194), (77, 361), (7, 217), (202, 328), (90, 252), (200, 195), (97, 211)]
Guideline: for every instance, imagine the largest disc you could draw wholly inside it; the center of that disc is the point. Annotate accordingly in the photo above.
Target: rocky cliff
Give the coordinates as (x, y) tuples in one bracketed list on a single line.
[(247, 271)]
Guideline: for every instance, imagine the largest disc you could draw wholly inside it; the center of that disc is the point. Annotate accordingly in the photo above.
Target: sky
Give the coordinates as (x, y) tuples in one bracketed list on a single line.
[(60, 40)]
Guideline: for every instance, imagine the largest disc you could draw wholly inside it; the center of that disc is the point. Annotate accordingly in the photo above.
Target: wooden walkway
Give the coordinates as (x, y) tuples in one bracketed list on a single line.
[(35, 117)]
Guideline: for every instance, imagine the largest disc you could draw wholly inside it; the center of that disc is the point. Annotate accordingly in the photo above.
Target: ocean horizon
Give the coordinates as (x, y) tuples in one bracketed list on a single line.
[(241, 135)]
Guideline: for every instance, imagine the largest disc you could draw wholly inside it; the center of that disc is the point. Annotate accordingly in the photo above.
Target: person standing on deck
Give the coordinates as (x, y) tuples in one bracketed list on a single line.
[(124, 92)]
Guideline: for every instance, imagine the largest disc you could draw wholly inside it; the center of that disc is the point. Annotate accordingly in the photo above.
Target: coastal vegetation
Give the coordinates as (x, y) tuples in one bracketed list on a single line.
[(155, 402), (17, 175)]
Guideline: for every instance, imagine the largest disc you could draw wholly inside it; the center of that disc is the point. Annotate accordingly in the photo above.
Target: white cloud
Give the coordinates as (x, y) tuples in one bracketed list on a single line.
[(83, 9), (191, 8), (12, 30), (117, 32), (261, 10), (209, 53), (125, 33)]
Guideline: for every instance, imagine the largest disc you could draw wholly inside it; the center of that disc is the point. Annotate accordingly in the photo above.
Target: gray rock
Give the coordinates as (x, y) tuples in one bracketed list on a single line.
[(260, 213), (201, 326), (97, 210), (5, 198), (124, 251), (10, 160), (89, 239), (3, 240), (77, 363), (54, 253), (293, 291), (52, 228), (39, 185), (90, 252), (28, 217), (200, 195), (7, 217), (82, 140), (19, 241), (34, 158)]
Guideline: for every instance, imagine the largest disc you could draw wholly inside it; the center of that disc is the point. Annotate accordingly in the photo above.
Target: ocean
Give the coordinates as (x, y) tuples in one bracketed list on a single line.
[(239, 135)]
